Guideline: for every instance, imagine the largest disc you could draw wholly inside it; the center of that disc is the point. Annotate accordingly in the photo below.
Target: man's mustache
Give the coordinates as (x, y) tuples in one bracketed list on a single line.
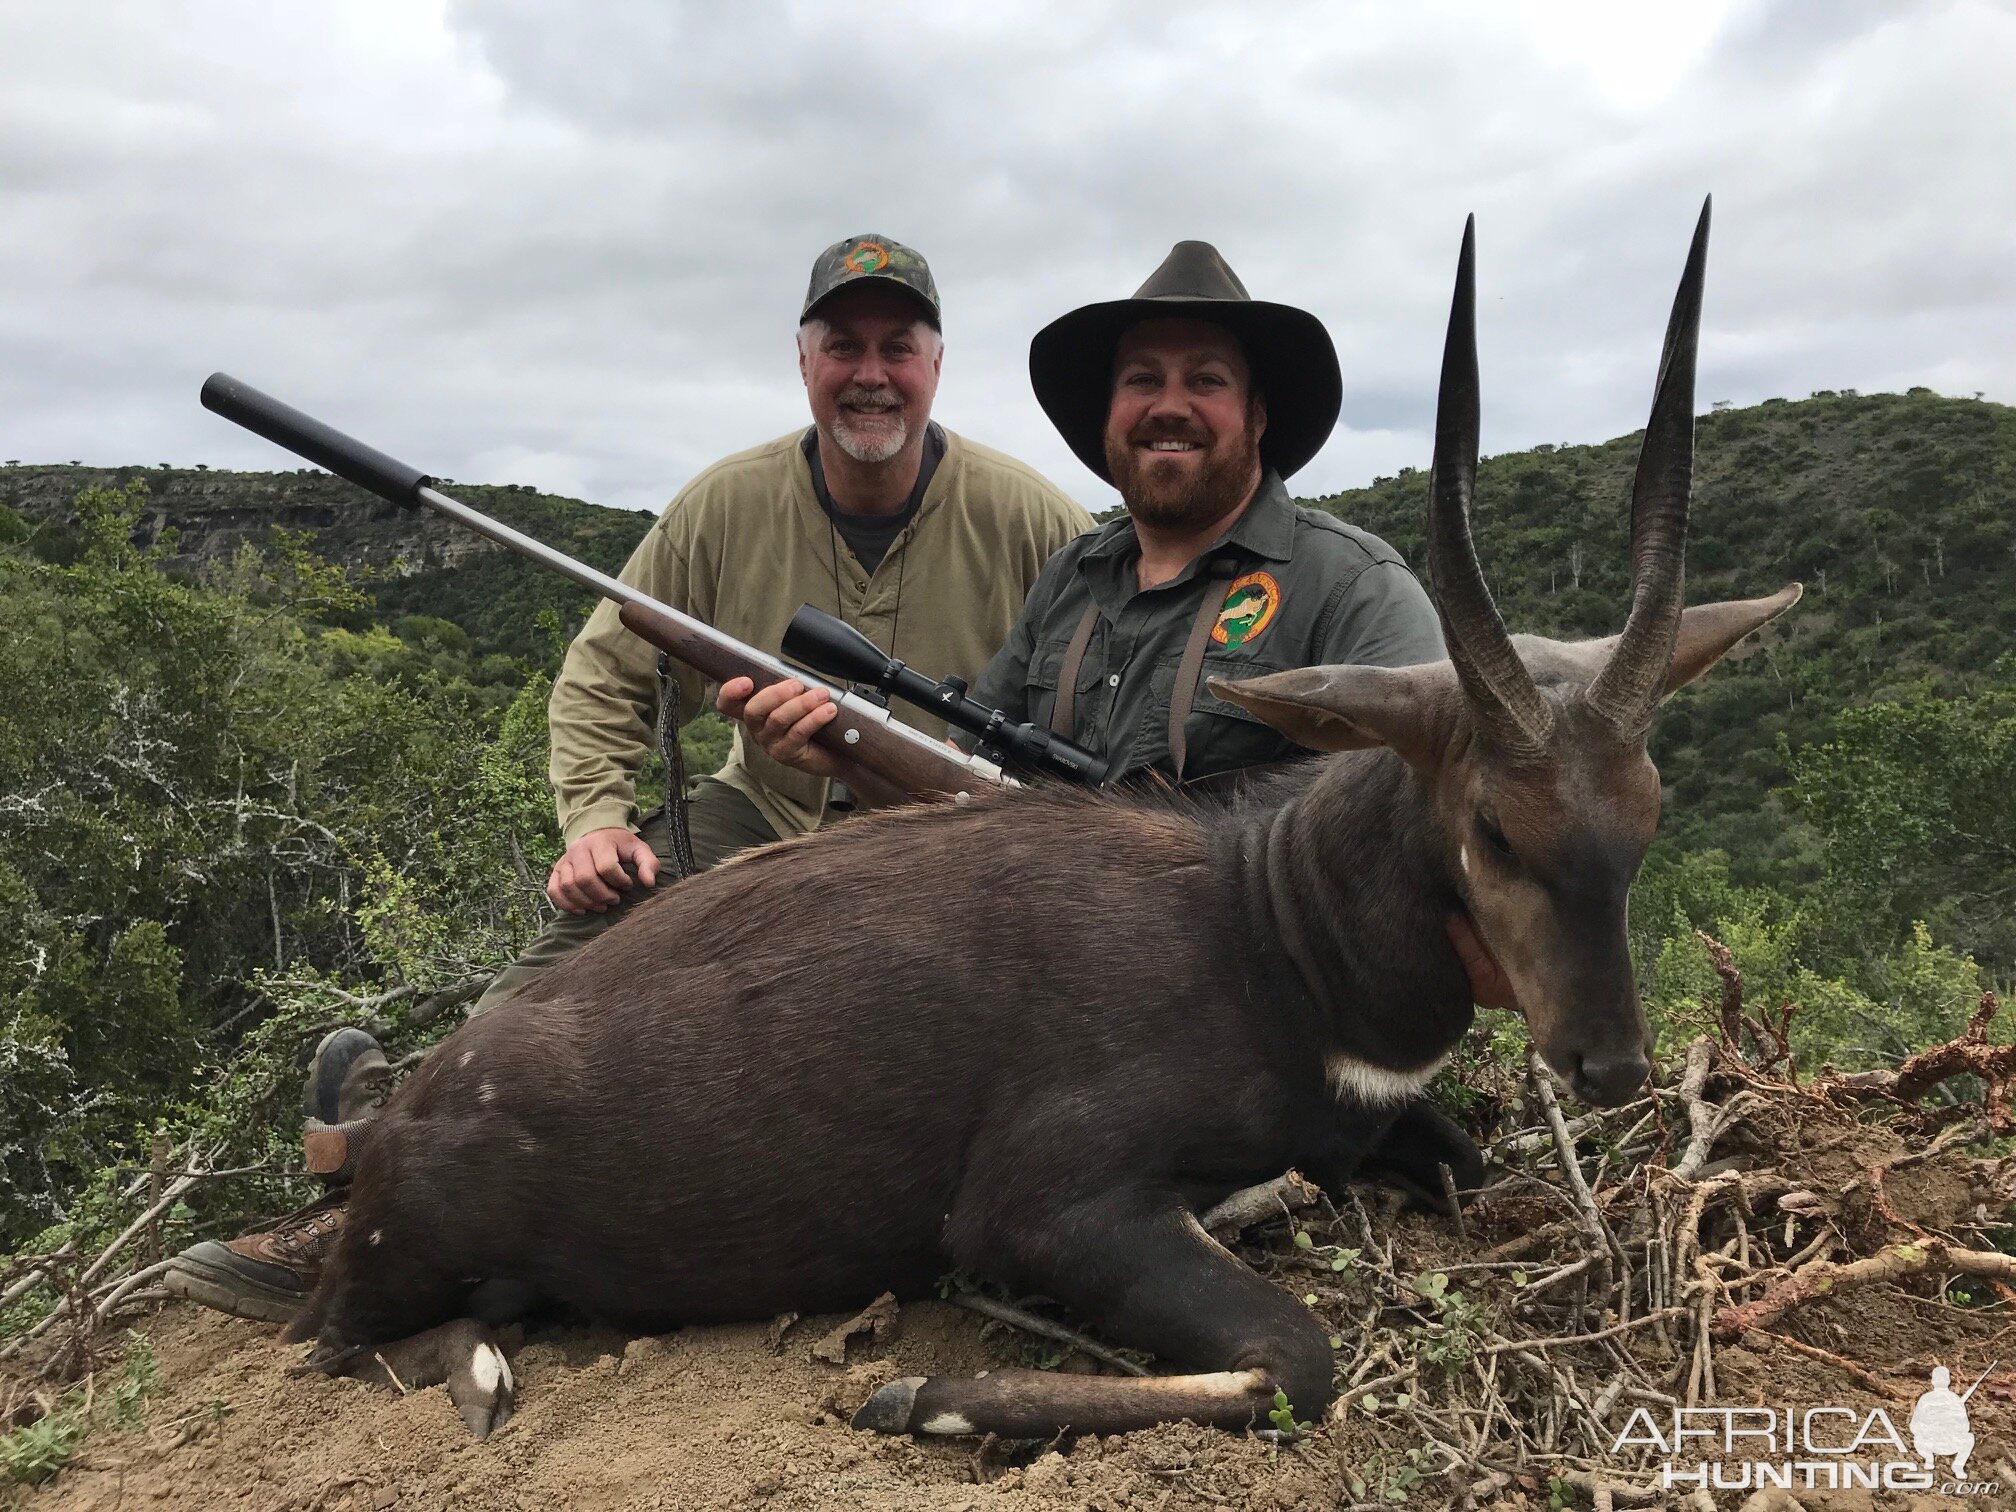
[(1167, 430), (869, 399)]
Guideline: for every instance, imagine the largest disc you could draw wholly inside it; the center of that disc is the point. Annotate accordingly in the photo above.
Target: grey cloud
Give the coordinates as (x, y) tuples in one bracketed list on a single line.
[(569, 243)]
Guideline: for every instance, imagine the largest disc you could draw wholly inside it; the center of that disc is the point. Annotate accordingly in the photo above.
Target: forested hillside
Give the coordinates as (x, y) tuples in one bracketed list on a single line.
[(271, 759), (1897, 511), (414, 562)]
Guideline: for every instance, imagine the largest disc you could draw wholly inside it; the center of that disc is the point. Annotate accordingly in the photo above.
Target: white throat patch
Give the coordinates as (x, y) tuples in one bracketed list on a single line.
[(1375, 1086)]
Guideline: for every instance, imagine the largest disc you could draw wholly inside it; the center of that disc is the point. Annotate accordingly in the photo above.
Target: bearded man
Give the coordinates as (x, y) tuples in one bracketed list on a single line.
[(1196, 401)]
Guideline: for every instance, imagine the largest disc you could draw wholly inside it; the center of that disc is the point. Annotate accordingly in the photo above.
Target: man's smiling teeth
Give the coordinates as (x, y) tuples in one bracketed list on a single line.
[(1173, 446)]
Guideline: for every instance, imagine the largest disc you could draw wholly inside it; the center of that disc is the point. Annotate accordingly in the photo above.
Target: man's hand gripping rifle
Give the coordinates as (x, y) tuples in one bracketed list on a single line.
[(874, 751)]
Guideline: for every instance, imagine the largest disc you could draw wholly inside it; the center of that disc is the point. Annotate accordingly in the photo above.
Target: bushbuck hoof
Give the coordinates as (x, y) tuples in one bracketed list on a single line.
[(482, 1390), (1413, 1151), (462, 1353), (888, 1411)]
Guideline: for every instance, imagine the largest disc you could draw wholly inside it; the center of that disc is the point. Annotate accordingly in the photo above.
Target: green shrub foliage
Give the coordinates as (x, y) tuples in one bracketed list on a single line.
[(230, 813)]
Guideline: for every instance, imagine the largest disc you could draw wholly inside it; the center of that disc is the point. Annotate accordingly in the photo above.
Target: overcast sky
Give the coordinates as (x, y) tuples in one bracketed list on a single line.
[(565, 244)]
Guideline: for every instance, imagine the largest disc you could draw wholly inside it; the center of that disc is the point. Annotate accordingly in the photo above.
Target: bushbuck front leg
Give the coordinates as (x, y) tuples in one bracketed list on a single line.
[(462, 1353), (1150, 1275), (1407, 1153)]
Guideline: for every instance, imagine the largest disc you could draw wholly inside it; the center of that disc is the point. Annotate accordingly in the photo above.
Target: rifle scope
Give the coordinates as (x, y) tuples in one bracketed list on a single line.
[(835, 648)]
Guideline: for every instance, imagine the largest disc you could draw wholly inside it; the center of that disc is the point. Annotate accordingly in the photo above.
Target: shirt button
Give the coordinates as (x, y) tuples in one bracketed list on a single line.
[(1113, 681)]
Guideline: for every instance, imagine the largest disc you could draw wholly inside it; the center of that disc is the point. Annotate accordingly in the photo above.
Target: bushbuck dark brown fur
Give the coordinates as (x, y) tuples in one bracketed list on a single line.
[(1034, 1036)]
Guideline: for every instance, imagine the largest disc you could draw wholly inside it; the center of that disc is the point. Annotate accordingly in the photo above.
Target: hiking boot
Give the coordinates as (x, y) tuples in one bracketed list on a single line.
[(268, 1273), (265, 1275), (348, 1079)]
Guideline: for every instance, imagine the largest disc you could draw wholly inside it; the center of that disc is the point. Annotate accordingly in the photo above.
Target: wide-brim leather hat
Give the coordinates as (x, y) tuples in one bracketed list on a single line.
[(1291, 356)]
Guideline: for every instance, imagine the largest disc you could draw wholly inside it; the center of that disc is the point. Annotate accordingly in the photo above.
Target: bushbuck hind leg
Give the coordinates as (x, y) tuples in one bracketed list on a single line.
[(1151, 1276)]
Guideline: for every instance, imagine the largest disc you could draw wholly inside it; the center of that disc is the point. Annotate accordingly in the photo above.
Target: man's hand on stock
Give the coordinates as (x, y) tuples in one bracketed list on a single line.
[(782, 720), (590, 877)]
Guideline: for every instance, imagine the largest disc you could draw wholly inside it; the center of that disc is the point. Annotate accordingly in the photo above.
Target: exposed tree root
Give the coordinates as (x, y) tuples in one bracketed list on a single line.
[(1969, 1055)]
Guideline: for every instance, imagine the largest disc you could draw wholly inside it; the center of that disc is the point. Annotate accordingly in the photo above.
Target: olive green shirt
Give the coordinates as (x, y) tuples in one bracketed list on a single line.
[(741, 547), (1304, 589)]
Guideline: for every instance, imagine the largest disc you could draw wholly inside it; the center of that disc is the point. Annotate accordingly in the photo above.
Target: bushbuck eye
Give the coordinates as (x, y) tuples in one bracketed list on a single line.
[(1493, 836)]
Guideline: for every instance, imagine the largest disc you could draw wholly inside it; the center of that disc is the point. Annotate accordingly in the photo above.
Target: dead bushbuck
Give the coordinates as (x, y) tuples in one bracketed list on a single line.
[(1035, 1035)]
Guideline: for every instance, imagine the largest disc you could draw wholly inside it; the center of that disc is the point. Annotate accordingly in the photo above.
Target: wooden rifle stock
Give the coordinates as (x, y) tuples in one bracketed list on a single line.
[(875, 753)]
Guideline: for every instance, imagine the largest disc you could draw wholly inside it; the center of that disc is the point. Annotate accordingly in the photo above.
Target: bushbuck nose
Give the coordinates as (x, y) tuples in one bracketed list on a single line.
[(1607, 1080)]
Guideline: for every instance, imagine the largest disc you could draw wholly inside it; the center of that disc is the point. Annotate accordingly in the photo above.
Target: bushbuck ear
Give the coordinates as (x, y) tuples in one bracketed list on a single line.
[(1708, 632), (1351, 708)]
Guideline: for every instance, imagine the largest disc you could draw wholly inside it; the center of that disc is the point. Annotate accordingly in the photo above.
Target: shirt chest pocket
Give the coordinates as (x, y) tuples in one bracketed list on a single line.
[(1219, 736), (1044, 677)]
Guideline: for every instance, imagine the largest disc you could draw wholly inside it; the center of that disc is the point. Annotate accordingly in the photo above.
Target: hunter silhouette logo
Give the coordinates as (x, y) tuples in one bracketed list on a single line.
[(1249, 608), (1939, 1423), (869, 257), (1815, 1448)]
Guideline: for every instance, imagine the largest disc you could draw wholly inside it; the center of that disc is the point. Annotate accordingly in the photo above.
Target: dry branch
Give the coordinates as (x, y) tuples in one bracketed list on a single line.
[(1866, 1379), (77, 1306), (1970, 1055), (1825, 1278), (876, 1319), (1286, 1193), (1730, 1011), (1595, 1232), (1028, 1322)]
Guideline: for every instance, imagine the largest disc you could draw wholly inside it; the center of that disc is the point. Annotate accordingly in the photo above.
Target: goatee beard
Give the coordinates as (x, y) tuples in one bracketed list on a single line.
[(873, 445), (1221, 485), (878, 447)]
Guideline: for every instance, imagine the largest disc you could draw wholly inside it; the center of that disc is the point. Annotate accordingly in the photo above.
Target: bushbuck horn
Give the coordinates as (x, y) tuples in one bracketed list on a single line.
[(1497, 686), (1627, 690)]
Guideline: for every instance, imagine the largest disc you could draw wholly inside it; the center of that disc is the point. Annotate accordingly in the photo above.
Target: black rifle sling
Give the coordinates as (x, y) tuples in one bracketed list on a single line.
[(675, 770)]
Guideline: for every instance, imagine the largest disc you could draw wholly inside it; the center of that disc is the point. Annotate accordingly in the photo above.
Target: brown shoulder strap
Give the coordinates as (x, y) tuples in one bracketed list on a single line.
[(1067, 675), (1184, 694)]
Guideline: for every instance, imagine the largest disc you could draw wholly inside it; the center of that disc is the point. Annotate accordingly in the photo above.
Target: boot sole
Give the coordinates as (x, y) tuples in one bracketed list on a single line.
[(339, 1050), (226, 1293)]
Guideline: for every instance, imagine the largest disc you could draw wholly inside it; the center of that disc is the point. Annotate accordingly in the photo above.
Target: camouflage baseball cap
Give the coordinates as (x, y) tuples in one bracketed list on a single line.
[(864, 257)]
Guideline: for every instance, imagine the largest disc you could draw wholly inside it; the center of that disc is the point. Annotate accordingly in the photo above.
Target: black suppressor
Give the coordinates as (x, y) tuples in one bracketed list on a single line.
[(833, 647)]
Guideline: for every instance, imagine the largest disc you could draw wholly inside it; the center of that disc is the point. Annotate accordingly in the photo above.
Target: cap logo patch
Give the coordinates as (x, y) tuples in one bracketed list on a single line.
[(1249, 608), (869, 257)]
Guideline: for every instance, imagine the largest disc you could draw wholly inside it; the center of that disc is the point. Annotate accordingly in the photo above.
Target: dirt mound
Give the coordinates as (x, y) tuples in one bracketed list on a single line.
[(704, 1418), (1734, 1240)]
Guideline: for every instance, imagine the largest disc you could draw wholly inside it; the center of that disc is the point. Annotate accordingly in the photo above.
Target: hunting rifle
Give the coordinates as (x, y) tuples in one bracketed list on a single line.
[(862, 736)]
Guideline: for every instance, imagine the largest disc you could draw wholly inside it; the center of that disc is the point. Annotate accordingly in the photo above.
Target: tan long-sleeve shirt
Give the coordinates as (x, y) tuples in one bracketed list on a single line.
[(741, 547)]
